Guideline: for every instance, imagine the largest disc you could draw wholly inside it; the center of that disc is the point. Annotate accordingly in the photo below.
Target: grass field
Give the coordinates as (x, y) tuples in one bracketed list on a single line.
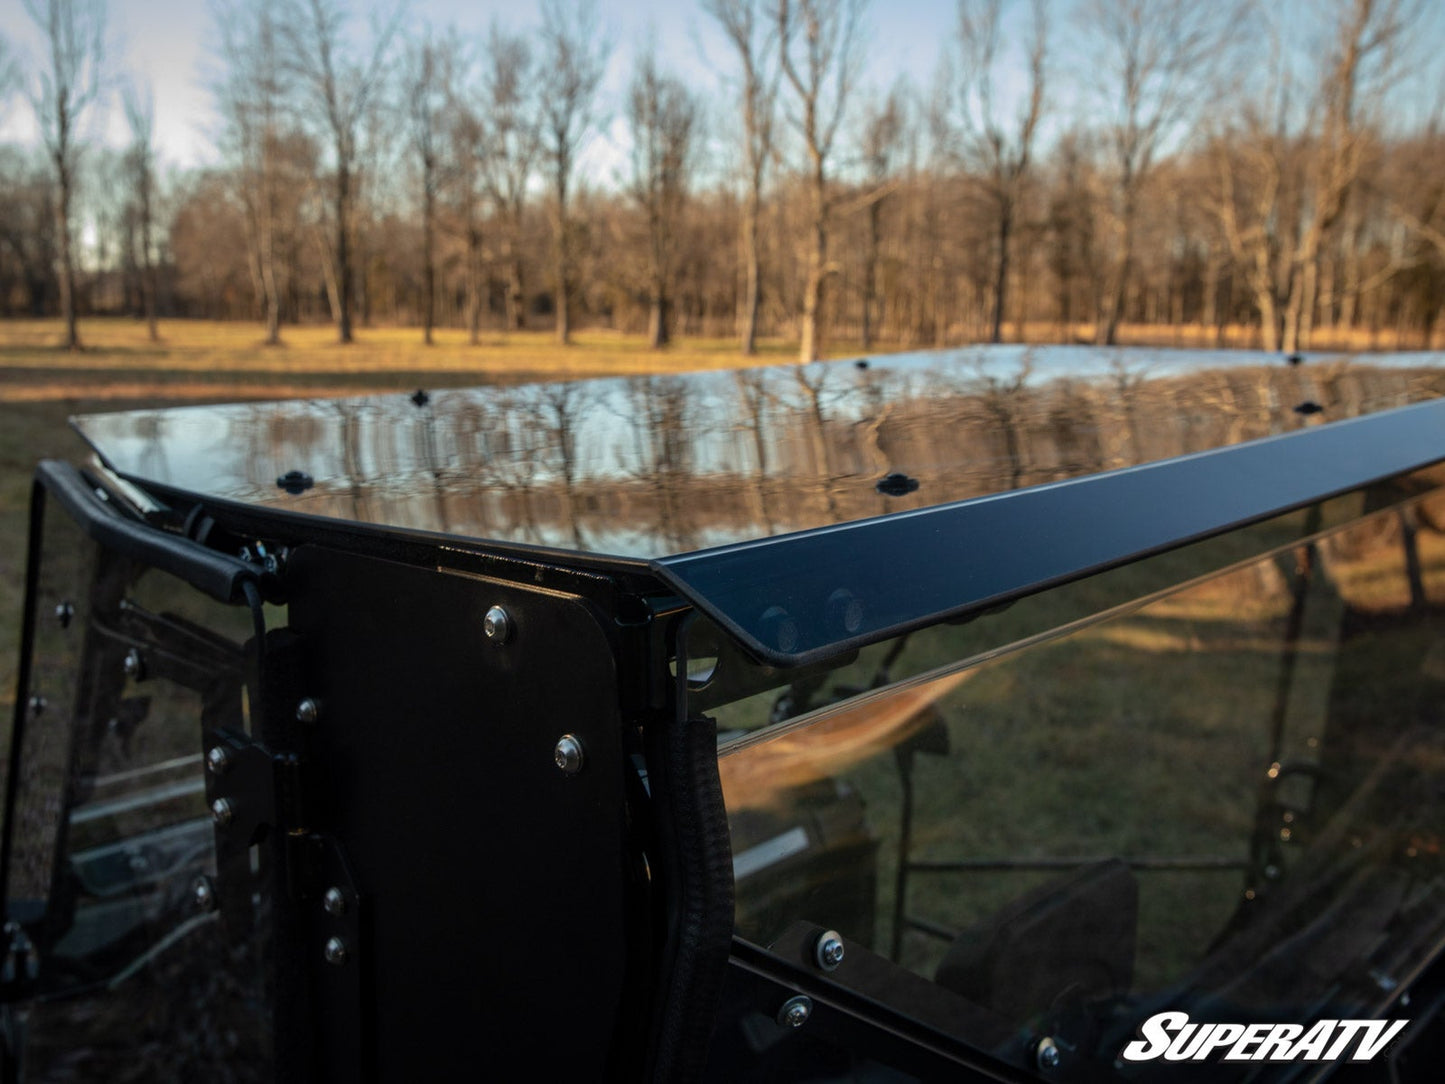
[(198, 359)]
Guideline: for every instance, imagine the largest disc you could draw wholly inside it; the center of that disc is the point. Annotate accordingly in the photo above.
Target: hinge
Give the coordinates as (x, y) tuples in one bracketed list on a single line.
[(252, 790)]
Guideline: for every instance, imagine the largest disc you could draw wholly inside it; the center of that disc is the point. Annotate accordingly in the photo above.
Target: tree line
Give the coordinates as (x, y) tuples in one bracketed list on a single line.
[(1246, 174)]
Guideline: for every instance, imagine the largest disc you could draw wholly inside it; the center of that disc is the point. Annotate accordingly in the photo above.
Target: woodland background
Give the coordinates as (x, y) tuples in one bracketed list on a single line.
[(1183, 171)]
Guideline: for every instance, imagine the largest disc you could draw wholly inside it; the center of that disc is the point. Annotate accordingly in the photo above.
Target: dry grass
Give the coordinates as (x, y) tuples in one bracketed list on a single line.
[(1229, 337), (213, 359)]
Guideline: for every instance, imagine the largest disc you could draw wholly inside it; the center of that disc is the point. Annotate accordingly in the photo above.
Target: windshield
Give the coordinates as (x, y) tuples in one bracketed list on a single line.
[(1225, 800)]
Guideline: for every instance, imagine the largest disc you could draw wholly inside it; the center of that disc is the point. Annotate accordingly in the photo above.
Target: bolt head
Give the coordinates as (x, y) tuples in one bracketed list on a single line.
[(37, 705), (64, 613), (218, 760), (568, 754), (795, 1012), (222, 812), (308, 710), (203, 894), (497, 625), (134, 665), (829, 950), (1046, 1053), (334, 901), (335, 951)]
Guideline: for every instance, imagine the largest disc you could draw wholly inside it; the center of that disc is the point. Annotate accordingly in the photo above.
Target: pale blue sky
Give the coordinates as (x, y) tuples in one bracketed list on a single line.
[(169, 43)]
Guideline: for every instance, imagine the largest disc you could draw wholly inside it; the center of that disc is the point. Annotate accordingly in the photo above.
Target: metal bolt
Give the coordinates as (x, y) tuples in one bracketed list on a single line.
[(308, 710), (134, 665), (1046, 1053), (218, 760), (335, 951), (63, 614), (334, 901), (203, 894), (37, 705), (795, 1012), (828, 950), (497, 625), (568, 754), (222, 811)]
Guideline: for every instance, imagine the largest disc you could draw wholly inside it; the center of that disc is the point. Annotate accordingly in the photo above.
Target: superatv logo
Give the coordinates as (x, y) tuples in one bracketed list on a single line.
[(1174, 1037)]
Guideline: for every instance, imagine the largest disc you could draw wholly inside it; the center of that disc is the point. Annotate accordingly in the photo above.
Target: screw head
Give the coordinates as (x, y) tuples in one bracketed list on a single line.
[(828, 950), (335, 951), (497, 625), (218, 760), (37, 705), (334, 901), (795, 1012), (222, 811), (64, 612), (308, 710), (203, 894), (568, 754), (1046, 1053), (134, 665)]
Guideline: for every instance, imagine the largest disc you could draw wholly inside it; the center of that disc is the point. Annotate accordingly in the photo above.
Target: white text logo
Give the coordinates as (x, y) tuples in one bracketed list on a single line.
[(1174, 1037)]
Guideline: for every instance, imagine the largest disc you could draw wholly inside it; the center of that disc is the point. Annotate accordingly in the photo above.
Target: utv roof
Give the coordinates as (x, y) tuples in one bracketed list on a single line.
[(808, 507)]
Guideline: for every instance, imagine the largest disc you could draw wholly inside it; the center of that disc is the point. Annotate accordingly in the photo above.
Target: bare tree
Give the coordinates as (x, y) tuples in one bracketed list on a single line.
[(511, 145), (884, 131), (68, 83), (1370, 37), (817, 50), (664, 118), (467, 137), (337, 90), (252, 98), (1283, 184), (1153, 59), (141, 166), (9, 72), (574, 54), (998, 150), (751, 37), (429, 67)]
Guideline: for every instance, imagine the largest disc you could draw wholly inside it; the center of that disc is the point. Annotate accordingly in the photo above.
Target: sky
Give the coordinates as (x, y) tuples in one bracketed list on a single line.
[(171, 43)]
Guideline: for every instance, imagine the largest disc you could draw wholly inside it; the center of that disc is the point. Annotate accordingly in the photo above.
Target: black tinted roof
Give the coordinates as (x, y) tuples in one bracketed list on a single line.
[(651, 467), (771, 497)]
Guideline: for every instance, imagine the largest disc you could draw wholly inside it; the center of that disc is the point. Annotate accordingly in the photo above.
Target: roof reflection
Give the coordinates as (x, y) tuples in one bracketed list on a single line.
[(652, 466)]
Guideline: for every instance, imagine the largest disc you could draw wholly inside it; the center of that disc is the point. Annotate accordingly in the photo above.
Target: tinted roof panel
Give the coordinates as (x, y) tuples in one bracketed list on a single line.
[(653, 467)]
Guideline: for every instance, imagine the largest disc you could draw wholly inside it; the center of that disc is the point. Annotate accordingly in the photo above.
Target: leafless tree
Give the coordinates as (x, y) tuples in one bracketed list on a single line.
[(1370, 38), (9, 72), (336, 91), (998, 149), (141, 167), (252, 96), (1153, 59), (67, 85), (1282, 184), (574, 54), (817, 50), (884, 138), (429, 70), (467, 137), (511, 144), (664, 118), (750, 34)]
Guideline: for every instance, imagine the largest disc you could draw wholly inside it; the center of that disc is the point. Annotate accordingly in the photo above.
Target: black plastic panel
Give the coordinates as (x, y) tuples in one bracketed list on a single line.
[(798, 598)]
